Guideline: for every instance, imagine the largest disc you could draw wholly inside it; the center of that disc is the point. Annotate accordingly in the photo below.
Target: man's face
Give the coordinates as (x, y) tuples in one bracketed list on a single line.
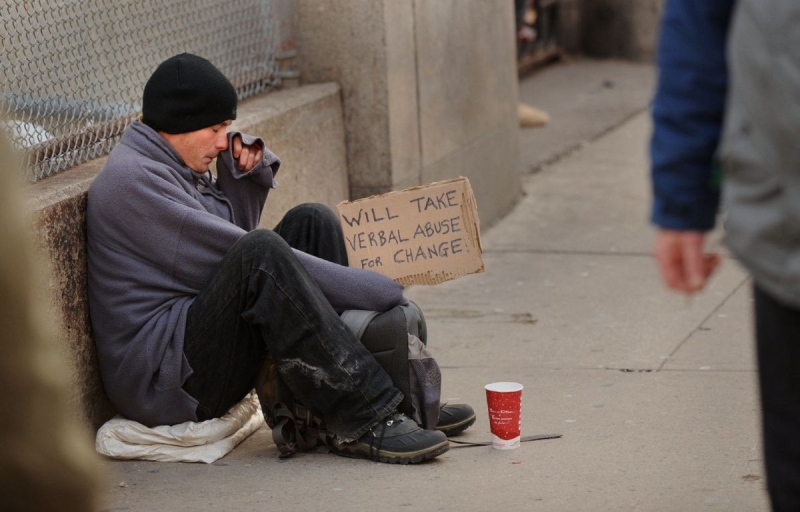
[(200, 147)]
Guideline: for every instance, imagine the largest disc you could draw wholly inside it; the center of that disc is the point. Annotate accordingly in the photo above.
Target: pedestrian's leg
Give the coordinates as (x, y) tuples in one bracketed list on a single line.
[(778, 346), (261, 298), (314, 229)]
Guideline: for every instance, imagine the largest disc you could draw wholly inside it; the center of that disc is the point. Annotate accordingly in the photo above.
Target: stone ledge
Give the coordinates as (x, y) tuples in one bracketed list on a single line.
[(302, 125)]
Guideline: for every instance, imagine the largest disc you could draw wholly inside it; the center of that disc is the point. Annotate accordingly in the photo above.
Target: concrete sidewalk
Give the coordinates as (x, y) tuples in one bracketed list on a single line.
[(655, 396)]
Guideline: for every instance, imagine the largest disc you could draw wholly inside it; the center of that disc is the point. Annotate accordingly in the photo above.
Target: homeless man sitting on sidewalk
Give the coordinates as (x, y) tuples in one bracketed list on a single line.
[(187, 297)]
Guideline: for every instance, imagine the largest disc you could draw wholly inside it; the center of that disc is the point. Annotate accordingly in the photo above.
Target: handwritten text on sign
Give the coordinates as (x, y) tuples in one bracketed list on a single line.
[(422, 235)]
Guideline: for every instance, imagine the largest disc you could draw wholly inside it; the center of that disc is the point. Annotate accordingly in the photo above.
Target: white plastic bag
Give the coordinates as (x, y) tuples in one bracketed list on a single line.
[(206, 441)]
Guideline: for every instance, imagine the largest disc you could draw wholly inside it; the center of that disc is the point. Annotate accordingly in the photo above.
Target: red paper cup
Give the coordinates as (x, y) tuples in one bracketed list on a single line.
[(505, 405)]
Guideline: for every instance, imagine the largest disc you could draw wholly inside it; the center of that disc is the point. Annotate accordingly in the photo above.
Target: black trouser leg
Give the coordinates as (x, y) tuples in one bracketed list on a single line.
[(261, 299), (778, 346)]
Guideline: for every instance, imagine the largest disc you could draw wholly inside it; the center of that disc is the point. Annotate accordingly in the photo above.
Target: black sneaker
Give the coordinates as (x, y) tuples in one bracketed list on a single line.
[(396, 440), (455, 418)]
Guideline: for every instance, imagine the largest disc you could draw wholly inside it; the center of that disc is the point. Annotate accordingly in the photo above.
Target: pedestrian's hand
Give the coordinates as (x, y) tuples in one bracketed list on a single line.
[(245, 157), (683, 264)]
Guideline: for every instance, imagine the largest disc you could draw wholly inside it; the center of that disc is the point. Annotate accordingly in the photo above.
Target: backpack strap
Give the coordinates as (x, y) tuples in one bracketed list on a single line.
[(283, 433), (416, 321), (310, 428), (358, 320), (300, 429)]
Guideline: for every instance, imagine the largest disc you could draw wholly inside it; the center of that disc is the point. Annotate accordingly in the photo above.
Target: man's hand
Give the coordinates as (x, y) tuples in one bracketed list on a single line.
[(246, 157), (683, 265)]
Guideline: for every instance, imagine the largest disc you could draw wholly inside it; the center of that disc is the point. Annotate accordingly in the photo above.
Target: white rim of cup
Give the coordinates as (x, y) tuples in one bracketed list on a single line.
[(503, 387)]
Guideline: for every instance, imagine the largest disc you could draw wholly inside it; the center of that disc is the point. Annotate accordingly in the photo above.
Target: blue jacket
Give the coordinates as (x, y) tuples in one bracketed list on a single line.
[(740, 57), (688, 111)]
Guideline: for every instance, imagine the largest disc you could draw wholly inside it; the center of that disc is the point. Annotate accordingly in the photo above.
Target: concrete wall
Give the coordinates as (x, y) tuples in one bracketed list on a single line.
[(625, 29), (303, 126), (429, 90), (59, 208), (620, 28)]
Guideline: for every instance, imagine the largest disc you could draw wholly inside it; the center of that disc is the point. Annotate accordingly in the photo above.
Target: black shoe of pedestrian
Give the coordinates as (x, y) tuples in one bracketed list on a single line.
[(396, 440), (455, 418)]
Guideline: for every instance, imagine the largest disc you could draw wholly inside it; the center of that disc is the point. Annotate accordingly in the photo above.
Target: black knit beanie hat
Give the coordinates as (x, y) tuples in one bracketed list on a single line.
[(187, 93)]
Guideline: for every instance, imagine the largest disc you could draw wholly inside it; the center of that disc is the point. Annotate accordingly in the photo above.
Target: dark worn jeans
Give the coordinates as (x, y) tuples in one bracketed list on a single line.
[(260, 299), (778, 348)]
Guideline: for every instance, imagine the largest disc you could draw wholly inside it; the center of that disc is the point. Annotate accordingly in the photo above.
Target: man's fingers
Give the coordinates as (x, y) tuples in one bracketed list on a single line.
[(674, 276), (693, 260), (250, 161), (681, 261), (236, 146), (249, 157), (669, 258), (683, 265), (711, 262)]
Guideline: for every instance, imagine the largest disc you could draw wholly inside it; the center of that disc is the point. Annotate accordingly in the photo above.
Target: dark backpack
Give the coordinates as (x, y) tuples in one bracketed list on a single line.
[(398, 341)]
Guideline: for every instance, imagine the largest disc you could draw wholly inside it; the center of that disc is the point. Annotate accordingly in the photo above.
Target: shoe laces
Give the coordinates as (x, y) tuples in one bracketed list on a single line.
[(377, 452)]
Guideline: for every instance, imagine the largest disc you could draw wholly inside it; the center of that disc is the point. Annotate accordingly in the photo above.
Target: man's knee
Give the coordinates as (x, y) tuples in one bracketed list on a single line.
[(312, 212), (264, 243)]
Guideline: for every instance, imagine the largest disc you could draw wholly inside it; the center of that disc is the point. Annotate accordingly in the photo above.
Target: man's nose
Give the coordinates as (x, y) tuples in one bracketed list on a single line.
[(222, 142)]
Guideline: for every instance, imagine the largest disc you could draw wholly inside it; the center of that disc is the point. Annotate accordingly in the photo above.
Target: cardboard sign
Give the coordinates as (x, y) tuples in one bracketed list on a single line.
[(422, 235)]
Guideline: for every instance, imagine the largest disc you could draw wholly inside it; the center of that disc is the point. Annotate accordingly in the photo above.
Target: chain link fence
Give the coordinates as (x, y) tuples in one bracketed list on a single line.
[(72, 71)]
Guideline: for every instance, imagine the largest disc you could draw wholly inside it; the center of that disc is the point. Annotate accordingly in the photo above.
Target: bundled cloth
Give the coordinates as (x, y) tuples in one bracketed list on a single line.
[(206, 441)]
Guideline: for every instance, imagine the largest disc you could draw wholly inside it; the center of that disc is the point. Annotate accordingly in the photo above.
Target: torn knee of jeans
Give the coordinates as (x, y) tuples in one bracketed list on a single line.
[(317, 375)]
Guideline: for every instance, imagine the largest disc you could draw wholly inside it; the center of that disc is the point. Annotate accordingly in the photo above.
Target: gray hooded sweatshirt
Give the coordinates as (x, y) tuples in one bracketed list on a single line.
[(760, 153), (156, 229)]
